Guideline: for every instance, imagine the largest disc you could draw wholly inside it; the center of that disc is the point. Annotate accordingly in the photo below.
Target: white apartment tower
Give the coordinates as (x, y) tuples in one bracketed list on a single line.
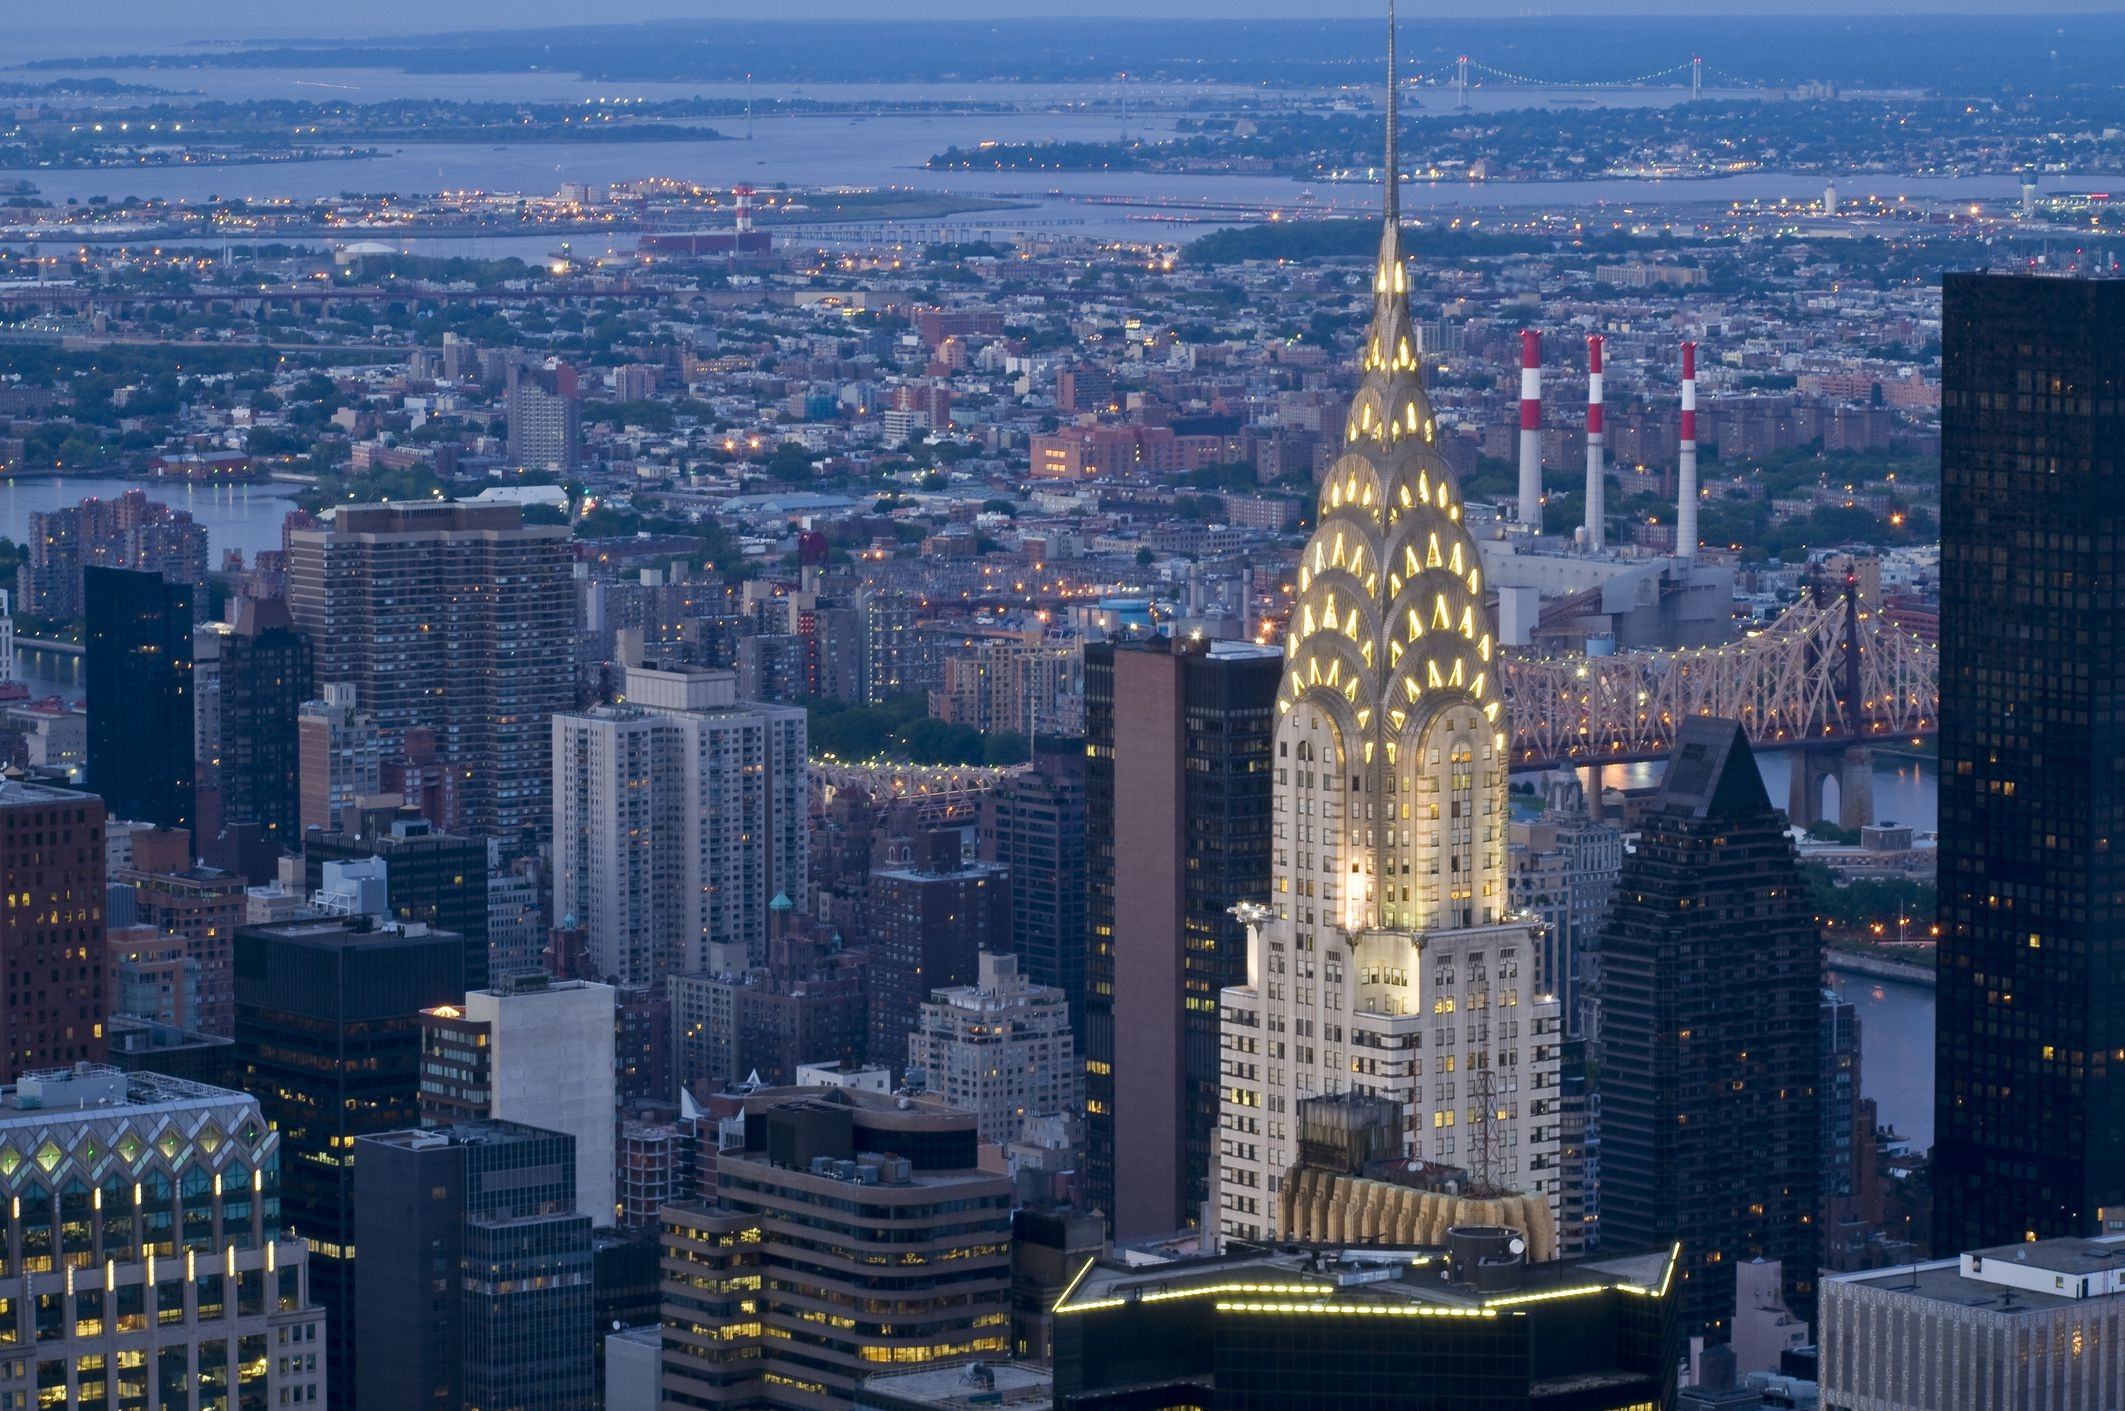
[(999, 1048), (1389, 959), (678, 815)]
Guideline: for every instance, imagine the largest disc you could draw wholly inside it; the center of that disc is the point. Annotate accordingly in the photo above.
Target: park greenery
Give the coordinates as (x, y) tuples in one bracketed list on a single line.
[(901, 730)]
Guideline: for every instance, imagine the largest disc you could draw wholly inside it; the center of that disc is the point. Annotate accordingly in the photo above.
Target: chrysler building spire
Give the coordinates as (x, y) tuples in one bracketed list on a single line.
[(1390, 658)]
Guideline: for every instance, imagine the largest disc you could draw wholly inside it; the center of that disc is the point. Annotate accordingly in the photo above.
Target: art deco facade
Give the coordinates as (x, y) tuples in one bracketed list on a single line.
[(999, 1048), (1387, 958)]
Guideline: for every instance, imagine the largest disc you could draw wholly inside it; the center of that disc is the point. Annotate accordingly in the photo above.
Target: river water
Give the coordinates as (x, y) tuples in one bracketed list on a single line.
[(1896, 1051)]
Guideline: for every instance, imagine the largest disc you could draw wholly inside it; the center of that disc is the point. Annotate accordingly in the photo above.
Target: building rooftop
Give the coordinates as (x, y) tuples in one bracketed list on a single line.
[(1416, 1279), (328, 931), (1018, 1386), (480, 1132), (18, 793), (97, 1089), (2032, 1278)]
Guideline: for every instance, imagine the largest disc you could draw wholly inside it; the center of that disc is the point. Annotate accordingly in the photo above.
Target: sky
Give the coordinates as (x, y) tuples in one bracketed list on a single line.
[(104, 26)]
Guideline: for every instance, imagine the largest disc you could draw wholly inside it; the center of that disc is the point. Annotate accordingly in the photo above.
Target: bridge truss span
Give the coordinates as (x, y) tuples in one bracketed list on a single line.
[(1830, 670)]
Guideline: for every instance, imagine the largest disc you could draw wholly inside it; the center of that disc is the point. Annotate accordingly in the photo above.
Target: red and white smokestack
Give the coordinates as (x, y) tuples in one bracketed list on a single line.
[(1596, 444), (1531, 428), (1686, 471), (744, 213)]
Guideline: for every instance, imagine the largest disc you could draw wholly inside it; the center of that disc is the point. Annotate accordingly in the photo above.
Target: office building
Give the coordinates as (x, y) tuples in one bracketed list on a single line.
[(452, 617), (263, 680), (342, 759), (476, 1270), (328, 1032), (1179, 754), (1033, 822), (971, 1386), (853, 1232), (535, 1050), (138, 669), (431, 878), (932, 915), (1711, 1065), (999, 1048), (2030, 1091), (678, 816), (1385, 956), (1372, 1328), (2030, 1326), (148, 1265), (52, 941)]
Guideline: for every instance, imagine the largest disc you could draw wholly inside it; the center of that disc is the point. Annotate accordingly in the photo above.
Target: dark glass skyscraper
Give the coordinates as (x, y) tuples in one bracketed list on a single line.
[(1710, 1130), (476, 1280), (265, 678), (142, 757), (1034, 824), (2030, 1059), (328, 1030), (1179, 776)]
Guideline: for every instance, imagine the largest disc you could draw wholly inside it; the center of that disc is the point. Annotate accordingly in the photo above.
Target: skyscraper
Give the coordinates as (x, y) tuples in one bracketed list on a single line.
[(1385, 957), (476, 1281), (264, 680), (139, 676), (1033, 822), (1179, 756), (677, 817), (531, 1049), (328, 1032), (1710, 1126), (2030, 1059), (146, 1216), (52, 940), (999, 1048), (822, 1259), (456, 617), (932, 915)]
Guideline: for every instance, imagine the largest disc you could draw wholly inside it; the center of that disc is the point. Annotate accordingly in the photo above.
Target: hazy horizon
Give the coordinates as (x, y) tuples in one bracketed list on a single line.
[(107, 26)]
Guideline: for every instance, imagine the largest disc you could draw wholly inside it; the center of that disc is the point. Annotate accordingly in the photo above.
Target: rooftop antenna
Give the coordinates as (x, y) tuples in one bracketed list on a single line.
[(1394, 154)]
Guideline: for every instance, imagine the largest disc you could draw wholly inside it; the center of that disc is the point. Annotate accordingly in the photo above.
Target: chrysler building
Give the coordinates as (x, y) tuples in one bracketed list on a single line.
[(1388, 960)]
